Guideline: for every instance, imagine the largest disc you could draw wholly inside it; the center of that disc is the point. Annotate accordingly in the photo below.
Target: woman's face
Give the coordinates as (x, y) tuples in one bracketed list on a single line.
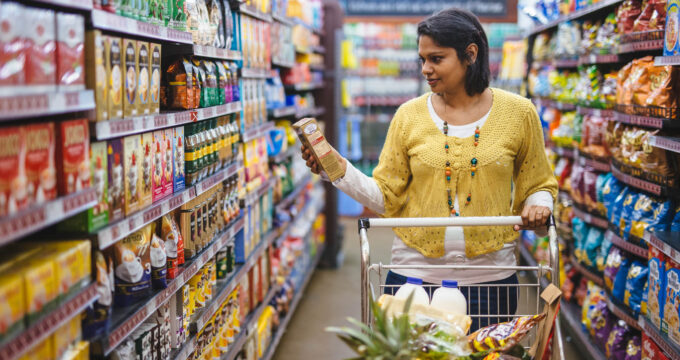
[(440, 65)]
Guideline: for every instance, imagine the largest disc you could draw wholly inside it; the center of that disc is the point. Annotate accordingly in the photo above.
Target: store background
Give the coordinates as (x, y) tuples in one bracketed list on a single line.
[(127, 124)]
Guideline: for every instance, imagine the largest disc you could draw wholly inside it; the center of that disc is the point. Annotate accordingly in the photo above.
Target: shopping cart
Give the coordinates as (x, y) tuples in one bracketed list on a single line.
[(528, 293)]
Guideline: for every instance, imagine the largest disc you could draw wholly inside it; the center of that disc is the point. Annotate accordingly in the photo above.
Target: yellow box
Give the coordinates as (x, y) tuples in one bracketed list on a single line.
[(130, 74), (95, 74), (145, 170), (13, 303), (65, 336), (73, 262), (114, 74), (41, 351), (155, 82), (40, 285), (264, 331), (143, 77)]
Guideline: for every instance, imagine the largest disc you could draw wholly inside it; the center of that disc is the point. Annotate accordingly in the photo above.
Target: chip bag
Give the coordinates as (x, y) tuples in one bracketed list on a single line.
[(619, 290), (612, 267), (635, 284), (503, 336)]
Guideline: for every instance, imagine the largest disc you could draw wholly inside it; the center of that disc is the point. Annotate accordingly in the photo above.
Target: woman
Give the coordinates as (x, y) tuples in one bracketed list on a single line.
[(463, 149)]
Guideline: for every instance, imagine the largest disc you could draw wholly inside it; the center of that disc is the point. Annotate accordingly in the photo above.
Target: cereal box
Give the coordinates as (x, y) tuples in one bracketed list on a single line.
[(114, 74), (670, 323), (159, 161), (70, 51), (670, 43), (41, 351), (178, 150), (116, 191), (131, 71), (132, 263), (65, 335), (651, 351), (13, 310), (95, 76), (146, 170), (40, 38), (73, 156), (143, 78), (656, 292), (132, 148), (12, 49), (40, 285), (155, 85), (168, 172), (13, 181), (39, 164)]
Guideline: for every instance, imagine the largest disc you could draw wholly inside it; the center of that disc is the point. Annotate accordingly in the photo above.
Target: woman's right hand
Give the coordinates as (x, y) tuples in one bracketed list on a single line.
[(314, 166)]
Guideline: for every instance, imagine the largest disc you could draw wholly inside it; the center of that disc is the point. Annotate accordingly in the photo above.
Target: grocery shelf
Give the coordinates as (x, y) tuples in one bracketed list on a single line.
[(650, 187), (255, 73), (666, 241), (574, 15), (283, 20), (311, 112), (625, 245), (287, 201), (317, 67), (40, 216), (103, 130), (69, 4), (566, 63), (257, 131), (666, 344), (16, 107), (114, 232), (12, 348), (374, 100), (305, 86), (622, 313), (293, 306), (647, 121), (281, 112), (597, 279), (571, 314), (594, 220), (111, 22), (255, 194), (595, 164), (249, 10), (302, 50), (318, 49), (283, 156), (645, 45), (666, 60), (217, 53), (126, 320), (562, 106), (666, 143), (606, 114), (564, 152), (593, 59), (284, 64)]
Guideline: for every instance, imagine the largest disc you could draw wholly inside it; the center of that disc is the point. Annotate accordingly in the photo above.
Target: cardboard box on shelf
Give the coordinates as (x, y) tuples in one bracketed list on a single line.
[(159, 161), (178, 165), (41, 172), (113, 59), (116, 179), (40, 37), (155, 82), (14, 304), (130, 76), (132, 170), (143, 77), (168, 171), (146, 170), (70, 51), (95, 75), (73, 156), (13, 181)]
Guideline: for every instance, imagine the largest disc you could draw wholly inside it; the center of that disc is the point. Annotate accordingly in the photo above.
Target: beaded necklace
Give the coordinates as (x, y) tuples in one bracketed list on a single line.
[(473, 168)]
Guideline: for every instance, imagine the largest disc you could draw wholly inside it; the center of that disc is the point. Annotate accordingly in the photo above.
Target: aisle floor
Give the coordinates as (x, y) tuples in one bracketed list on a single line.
[(333, 295)]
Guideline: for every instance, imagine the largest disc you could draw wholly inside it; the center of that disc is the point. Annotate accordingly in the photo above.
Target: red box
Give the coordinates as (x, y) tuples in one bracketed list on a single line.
[(40, 168), (13, 182), (41, 49), (73, 156), (70, 51), (12, 46)]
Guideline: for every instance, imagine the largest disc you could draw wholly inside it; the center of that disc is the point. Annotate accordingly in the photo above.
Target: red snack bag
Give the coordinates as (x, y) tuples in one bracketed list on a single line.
[(12, 46), (41, 172), (73, 156), (41, 49), (13, 183), (70, 51)]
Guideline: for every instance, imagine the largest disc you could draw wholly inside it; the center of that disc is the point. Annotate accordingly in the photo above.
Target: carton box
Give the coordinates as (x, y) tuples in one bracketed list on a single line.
[(40, 40), (13, 182), (114, 73), (95, 75), (73, 156), (39, 164), (70, 52), (143, 78), (40, 286), (168, 182), (159, 161), (146, 170), (132, 169), (116, 176), (671, 47), (13, 309), (551, 295), (178, 165), (155, 82), (13, 54), (311, 136), (130, 75)]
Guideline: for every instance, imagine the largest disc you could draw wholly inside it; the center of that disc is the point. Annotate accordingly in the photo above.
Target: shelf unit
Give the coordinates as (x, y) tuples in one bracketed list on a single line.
[(575, 15), (593, 59), (104, 130), (591, 219), (257, 131), (666, 344), (40, 216), (595, 164), (603, 113), (68, 4), (596, 278), (16, 346), (251, 11), (111, 22), (648, 186), (623, 314), (666, 143), (625, 245), (646, 121), (14, 107), (305, 86), (562, 106), (282, 112), (565, 152), (666, 241)]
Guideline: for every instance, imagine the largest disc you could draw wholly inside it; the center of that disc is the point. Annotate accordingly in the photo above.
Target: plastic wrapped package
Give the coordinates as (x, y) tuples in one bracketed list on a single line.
[(626, 15), (626, 219), (612, 267), (617, 343), (635, 284), (591, 247), (619, 289), (650, 214), (601, 323), (607, 38), (602, 253)]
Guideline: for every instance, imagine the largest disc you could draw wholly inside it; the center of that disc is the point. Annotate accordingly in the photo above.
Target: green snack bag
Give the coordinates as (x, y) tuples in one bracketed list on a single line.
[(179, 16)]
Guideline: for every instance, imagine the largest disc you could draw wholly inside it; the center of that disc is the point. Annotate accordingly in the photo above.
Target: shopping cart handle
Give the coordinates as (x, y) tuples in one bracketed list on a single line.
[(366, 223)]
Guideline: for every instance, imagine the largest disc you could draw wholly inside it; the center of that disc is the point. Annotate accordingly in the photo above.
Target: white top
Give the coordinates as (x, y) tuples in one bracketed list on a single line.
[(364, 190)]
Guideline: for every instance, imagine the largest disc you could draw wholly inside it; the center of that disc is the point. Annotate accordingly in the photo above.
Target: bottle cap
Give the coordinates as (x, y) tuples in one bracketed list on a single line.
[(414, 281), (450, 284)]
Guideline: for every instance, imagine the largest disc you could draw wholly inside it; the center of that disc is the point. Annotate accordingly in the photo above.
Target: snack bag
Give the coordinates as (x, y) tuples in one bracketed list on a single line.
[(656, 288), (671, 317), (612, 267), (503, 336), (178, 86), (174, 244), (98, 315), (651, 215), (662, 88), (618, 341), (618, 292), (12, 47), (635, 283), (611, 189), (580, 233), (675, 224), (602, 252), (601, 323), (591, 246), (633, 350), (158, 262), (132, 267)]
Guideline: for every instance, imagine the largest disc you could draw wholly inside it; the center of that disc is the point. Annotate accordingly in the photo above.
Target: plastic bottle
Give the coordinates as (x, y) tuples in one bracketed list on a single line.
[(449, 298), (415, 286)]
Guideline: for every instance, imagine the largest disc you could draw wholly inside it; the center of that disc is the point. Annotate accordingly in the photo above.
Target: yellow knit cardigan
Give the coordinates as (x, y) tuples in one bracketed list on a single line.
[(410, 172)]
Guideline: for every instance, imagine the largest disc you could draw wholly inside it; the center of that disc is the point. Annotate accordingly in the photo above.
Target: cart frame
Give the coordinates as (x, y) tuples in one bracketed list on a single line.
[(367, 268)]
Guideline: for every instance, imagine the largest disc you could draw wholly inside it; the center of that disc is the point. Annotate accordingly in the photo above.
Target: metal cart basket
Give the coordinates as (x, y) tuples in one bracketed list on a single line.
[(528, 293)]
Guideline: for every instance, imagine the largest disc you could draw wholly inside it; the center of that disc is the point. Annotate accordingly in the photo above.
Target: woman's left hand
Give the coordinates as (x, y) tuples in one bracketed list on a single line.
[(534, 217)]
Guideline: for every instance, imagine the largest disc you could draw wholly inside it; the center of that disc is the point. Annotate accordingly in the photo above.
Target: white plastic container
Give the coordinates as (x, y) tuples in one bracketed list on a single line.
[(415, 286), (449, 298)]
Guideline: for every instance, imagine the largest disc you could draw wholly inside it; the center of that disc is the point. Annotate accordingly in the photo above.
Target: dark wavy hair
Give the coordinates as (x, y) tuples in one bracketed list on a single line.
[(457, 28)]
